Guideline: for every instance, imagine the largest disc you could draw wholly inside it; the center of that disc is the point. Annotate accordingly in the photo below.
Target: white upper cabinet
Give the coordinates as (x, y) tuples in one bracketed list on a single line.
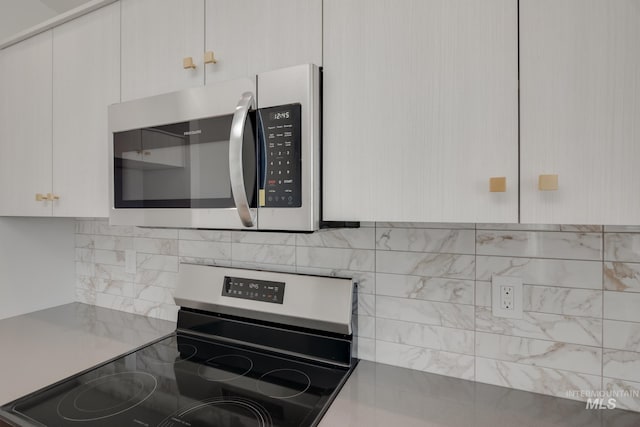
[(420, 110), (25, 126), (86, 79), (251, 36), (157, 35), (580, 110)]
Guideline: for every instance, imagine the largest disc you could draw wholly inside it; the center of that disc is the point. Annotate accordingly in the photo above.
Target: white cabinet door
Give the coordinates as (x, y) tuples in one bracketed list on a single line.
[(86, 79), (420, 110), (251, 36), (25, 126), (580, 110), (156, 36)]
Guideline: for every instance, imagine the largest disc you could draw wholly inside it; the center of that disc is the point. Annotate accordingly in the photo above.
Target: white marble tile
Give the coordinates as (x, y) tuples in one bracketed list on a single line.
[(156, 246), (622, 276), (365, 280), (426, 240), (154, 294), (85, 269), (111, 243), (621, 364), (621, 335), (335, 258), (548, 354), (625, 393), (165, 279), (155, 233), (424, 359), (84, 255), (426, 288), (157, 262), (421, 264), (106, 286), (420, 335), (622, 228), (366, 348), (622, 306), (108, 257), (367, 304), (542, 227), (349, 238), (102, 227), (540, 244), (204, 249), (86, 296), (210, 235), (366, 327), (427, 312), (263, 238), (483, 294), (113, 272), (447, 225), (114, 302), (263, 254), (536, 379), (575, 302), (204, 261), (518, 227), (622, 247), (250, 265), (566, 273), (553, 327)]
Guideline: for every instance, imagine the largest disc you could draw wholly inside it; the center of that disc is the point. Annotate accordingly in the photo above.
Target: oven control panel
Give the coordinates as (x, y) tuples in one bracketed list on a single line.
[(282, 134), (253, 289)]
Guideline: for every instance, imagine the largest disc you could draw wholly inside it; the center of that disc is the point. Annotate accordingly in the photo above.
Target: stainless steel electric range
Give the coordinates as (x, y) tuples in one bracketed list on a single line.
[(252, 348)]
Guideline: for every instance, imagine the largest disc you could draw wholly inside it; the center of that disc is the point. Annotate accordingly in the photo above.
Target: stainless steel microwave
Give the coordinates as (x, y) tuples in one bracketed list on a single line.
[(241, 154)]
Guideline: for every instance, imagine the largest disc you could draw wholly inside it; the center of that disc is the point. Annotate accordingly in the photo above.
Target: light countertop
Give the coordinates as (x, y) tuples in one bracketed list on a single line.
[(46, 346), (379, 395)]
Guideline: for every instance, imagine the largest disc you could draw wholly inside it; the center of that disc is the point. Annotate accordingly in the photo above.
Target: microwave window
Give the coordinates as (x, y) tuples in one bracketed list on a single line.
[(179, 165)]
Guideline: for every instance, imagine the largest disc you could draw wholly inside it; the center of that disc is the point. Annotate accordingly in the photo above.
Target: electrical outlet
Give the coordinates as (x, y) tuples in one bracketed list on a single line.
[(506, 296)]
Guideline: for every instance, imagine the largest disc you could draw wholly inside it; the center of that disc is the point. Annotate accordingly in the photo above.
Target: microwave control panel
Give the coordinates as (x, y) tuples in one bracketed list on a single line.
[(282, 186), (253, 289)]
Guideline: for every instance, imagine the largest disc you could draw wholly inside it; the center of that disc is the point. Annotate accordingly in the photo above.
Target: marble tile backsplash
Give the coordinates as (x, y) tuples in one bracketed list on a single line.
[(424, 293)]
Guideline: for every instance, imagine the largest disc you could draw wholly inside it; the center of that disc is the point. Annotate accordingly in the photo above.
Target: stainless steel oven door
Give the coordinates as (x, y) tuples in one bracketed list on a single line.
[(185, 159)]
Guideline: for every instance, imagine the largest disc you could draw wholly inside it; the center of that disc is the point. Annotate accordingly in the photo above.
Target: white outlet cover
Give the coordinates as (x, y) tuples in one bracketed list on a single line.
[(496, 283)]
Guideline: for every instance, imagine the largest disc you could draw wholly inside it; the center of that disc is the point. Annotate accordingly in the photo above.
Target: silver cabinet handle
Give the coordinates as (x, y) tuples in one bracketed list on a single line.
[(236, 174)]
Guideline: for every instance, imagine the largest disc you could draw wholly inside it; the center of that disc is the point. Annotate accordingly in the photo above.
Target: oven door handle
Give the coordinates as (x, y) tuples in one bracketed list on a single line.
[(236, 172)]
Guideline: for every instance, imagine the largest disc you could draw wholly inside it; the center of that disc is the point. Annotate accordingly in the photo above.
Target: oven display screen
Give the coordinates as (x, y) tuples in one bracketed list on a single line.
[(253, 289)]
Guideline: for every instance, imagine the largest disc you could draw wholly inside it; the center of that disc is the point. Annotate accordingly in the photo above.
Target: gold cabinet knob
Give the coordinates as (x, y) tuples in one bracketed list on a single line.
[(548, 182), (498, 184), (46, 197), (187, 63), (209, 57), (53, 197), (40, 197)]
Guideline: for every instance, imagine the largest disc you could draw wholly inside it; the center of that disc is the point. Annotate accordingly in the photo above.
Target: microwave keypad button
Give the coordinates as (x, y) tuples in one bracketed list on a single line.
[(283, 124)]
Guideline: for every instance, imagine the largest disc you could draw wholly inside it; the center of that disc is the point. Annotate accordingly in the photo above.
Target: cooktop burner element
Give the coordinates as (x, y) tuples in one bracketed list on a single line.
[(227, 367), (259, 367), (284, 383), (221, 412), (107, 396)]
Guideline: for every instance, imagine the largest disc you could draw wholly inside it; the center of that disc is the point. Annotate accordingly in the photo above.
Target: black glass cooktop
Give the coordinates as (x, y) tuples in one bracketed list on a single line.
[(185, 381)]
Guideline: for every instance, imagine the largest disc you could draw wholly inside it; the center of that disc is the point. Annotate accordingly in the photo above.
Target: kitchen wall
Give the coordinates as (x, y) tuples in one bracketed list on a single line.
[(36, 264), (425, 293)]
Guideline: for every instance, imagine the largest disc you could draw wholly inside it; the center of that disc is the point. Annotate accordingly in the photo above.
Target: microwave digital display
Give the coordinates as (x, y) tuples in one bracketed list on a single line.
[(279, 115)]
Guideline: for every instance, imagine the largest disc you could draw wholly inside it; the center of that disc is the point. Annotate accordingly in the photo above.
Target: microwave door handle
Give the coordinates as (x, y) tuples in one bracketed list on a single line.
[(236, 173)]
